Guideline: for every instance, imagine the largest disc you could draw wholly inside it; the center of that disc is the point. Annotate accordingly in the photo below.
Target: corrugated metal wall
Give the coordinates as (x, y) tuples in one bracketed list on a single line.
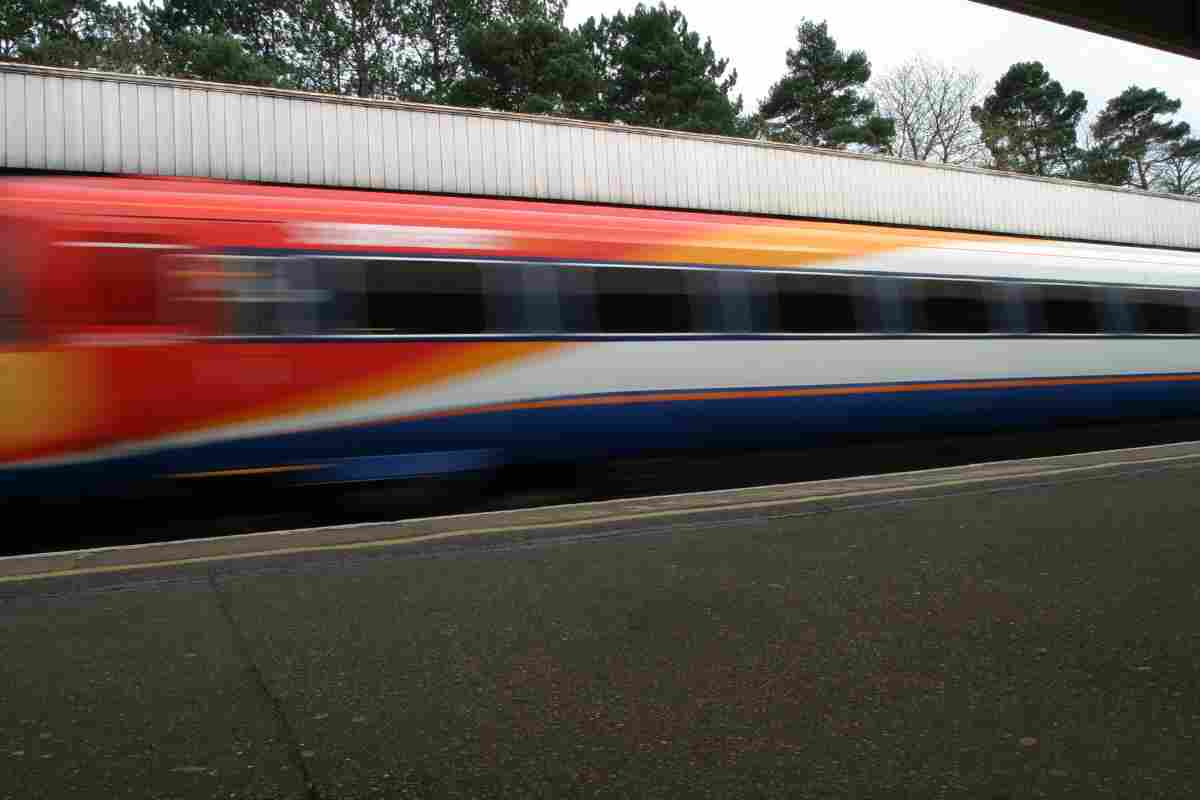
[(67, 120)]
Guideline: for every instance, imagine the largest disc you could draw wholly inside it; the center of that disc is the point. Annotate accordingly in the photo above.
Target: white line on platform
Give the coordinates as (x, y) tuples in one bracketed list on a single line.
[(426, 529)]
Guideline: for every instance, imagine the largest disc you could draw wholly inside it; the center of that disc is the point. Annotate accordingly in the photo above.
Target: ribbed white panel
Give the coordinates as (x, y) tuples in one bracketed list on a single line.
[(67, 120)]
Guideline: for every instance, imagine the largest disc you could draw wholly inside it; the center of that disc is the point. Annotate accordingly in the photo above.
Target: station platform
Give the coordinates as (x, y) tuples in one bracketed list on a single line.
[(1009, 630)]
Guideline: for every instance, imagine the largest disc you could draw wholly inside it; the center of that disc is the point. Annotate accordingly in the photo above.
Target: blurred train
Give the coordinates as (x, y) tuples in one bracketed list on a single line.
[(156, 329)]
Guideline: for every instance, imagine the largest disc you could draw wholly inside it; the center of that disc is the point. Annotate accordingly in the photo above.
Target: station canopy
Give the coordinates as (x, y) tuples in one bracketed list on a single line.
[(1171, 25)]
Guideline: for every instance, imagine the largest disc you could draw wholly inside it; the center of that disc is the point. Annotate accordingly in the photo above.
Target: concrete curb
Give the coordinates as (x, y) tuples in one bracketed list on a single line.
[(378, 534)]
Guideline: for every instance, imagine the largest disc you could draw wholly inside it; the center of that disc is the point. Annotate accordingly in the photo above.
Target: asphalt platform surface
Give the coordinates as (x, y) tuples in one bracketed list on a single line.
[(1030, 638)]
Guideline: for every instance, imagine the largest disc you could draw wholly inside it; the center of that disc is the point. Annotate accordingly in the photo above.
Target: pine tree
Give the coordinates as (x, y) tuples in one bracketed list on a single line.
[(819, 101), (658, 73), (1028, 122)]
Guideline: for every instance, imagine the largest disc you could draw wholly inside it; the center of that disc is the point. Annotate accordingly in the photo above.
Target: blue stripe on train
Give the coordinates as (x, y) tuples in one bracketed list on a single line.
[(485, 439)]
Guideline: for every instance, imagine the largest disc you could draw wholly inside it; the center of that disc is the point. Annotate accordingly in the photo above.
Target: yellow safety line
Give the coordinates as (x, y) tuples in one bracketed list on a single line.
[(575, 523)]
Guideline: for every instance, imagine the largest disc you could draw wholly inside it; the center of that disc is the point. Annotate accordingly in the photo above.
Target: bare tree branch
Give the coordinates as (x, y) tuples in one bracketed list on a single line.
[(931, 103)]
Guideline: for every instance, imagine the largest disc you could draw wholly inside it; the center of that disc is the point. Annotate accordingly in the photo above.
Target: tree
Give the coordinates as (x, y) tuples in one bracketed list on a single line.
[(532, 65), (238, 41), (1179, 172), (82, 34), (353, 47), (517, 10), (17, 18), (818, 101), (1097, 163), (214, 57), (209, 40), (1029, 122), (358, 47), (434, 62), (656, 73), (1130, 129), (931, 105)]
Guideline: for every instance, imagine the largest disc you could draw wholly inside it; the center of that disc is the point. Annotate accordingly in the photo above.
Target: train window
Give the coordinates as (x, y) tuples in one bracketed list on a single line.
[(342, 308), (951, 306), (520, 298), (388, 296), (577, 311), (269, 296), (1162, 311), (1067, 309), (195, 293), (430, 297), (639, 300), (291, 296), (819, 304), (525, 298), (240, 295), (710, 294), (733, 302)]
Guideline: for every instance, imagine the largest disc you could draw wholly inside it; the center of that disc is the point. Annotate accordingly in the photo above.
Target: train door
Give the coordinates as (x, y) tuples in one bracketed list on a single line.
[(243, 314), (101, 312)]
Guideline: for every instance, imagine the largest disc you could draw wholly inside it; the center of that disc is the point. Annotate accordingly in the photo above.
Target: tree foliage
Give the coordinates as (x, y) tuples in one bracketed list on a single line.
[(215, 57), (819, 101), (82, 34), (190, 39), (350, 47), (1134, 138), (428, 47), (1097, 164), (531, 65), (1179, 172), (1028, 121), (657, 73), (434, 60)]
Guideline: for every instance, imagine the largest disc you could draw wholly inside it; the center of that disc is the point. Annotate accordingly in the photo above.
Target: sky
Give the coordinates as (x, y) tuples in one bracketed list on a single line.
[(755, 36)]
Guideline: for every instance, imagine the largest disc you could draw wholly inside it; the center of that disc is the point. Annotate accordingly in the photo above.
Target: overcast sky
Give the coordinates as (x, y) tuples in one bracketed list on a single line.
[(756, 34)]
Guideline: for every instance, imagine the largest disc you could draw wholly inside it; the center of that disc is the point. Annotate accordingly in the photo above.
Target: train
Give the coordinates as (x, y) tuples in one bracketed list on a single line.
[(174, 329)]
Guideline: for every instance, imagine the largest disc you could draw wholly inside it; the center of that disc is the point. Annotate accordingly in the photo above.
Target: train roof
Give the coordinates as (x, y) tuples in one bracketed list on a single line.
[(495, 228), (102, 123)]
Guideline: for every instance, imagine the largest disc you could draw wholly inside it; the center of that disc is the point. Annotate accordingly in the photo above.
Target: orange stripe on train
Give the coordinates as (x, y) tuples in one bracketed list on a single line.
[(825, 391)]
